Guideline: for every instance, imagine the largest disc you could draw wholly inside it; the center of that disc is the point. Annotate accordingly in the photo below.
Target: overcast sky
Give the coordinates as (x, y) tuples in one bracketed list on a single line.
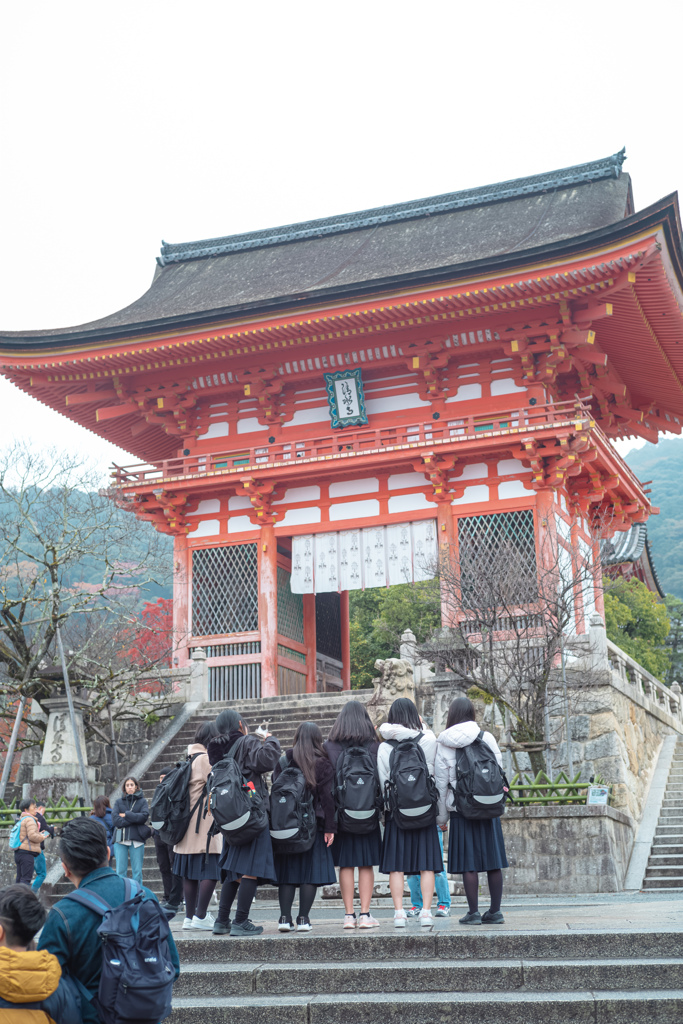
[(125, 123)]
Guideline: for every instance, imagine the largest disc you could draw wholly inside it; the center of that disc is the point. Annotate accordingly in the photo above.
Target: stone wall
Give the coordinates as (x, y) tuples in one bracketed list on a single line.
[(7, 865), (566, 849)]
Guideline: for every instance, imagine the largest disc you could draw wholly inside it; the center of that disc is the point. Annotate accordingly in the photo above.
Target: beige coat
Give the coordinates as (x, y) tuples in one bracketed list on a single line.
[(195, 842), (31, 836)]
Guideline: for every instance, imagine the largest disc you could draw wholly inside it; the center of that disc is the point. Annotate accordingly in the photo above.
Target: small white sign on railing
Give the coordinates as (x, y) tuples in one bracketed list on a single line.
[(597, 795)]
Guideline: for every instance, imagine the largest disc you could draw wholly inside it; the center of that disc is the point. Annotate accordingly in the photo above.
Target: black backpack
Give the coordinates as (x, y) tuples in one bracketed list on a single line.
[(170, 813), (358, 797), (136, 983), (410, 791), (292, 812), (480, 789), (238, 810)]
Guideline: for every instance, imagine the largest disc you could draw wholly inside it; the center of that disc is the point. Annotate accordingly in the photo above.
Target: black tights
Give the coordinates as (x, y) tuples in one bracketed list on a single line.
[(286, 897), (197, 896), (247, 890), (470, 880)]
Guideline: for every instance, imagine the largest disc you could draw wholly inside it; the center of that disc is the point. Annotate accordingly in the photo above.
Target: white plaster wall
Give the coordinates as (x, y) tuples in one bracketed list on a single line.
[(474, 471), (354, 509), (343, 488), (207, 528), (206, 507), (249, 425), (466, 393), (242, 524), (215, 430), (397, 481), (297, 494), (390, 403), (505, 386), (506, 467), (513, 489), (299, 516), (473, 494), (409, 503), (238, 501)]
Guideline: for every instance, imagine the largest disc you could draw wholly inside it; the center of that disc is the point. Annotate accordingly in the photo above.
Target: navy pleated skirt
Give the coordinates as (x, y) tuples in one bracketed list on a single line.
[(410, 850), (475, 845), (191, 865), (314, 867), (254, 859), (352, 851)]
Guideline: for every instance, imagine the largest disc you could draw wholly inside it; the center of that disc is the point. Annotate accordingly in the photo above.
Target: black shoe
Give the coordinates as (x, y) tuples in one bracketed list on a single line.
[(471, 918), (245, 928), (492, 917), (221, 928), (285, 924), (169, 908), (303, 924)]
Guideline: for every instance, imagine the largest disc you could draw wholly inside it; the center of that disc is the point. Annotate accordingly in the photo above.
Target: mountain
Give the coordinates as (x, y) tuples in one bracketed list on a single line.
[(663, 464)]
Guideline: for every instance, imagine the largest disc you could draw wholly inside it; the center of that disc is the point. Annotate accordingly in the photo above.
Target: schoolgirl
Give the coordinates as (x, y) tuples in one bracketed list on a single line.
[(474, 845), (128, 818), (198, 870), (244, 868), (306, 871), (353, 728), (408, 851)]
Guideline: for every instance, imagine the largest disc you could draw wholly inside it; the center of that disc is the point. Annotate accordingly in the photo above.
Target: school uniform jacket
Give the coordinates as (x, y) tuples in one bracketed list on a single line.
[(193, 841), (450, 740), (399, 732), (256, 759)]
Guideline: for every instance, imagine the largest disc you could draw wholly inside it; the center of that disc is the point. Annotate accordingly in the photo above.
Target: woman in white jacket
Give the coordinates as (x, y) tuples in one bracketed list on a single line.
[(474, 845), (408, 851)]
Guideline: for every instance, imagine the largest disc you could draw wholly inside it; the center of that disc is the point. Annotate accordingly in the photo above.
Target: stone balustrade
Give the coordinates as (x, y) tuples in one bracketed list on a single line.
[(668, 698)]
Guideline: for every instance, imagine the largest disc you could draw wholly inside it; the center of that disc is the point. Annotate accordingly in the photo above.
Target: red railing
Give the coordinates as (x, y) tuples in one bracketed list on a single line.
[(453, 427)]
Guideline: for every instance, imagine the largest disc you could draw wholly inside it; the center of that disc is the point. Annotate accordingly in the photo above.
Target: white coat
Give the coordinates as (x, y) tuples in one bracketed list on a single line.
[(399, 732), (449, 741)]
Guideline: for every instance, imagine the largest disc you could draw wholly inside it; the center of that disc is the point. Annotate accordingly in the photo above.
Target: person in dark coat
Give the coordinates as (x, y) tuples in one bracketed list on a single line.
[(312, 868), (244, 868), (129, 816), (32, 986), (173, 884), (354, 728), (101, 811)]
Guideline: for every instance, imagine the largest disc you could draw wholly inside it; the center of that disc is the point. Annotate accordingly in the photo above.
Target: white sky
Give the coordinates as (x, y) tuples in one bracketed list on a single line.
[(128, 122)]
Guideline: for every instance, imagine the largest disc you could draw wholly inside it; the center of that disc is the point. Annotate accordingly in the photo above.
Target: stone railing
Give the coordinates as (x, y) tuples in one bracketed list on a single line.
[(633, 674)]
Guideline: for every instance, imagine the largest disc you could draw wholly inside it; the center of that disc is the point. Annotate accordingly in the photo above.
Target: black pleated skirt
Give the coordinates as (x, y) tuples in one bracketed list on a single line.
[(314, 867), (410, 850), (254, 859), (352, 851), (191, 865), (475, 845)]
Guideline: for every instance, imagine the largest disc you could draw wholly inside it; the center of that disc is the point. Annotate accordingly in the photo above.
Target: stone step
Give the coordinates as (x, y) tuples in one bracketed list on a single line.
[(659, 870), (666, 859), (665, 847), (320, 978), (663, 882), (428, 1007)]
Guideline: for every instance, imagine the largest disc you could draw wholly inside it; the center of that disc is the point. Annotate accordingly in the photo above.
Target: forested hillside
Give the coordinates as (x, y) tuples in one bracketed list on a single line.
[(663, 464)]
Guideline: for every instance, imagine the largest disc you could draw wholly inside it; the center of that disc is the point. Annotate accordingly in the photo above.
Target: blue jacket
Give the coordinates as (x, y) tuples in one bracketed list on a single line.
[(70, 933), (108, 825)]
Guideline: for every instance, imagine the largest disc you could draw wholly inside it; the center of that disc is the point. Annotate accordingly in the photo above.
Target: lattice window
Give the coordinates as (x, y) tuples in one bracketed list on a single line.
[(290, 608), (234, 682), (497, 561), (328, 625), (225, 590)]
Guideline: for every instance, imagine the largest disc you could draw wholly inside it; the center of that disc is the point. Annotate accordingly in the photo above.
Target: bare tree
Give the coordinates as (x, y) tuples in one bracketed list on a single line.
[(511, 607), (70, 560)]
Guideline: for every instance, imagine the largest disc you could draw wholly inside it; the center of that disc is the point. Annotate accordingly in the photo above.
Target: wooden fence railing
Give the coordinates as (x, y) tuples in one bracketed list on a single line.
[(544, 791), (55, 813)]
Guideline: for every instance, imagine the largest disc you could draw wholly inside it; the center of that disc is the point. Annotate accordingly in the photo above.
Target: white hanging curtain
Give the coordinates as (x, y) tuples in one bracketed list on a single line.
[(375, 556)]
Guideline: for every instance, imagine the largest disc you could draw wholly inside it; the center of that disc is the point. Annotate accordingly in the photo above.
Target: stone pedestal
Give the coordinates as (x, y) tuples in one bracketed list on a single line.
[(446, 688), (58, 774), (199, 679)]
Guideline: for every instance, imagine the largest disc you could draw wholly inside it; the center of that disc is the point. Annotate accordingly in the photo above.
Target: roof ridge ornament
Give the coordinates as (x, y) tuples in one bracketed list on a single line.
[(596, 170)]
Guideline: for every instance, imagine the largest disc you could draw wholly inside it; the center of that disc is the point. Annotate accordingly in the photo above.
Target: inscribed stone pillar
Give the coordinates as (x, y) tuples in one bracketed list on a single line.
[(58, 774), (268, 611), (199, 679)]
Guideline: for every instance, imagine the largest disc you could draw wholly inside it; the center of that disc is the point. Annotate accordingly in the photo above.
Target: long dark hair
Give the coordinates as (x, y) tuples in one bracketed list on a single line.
[(353, 725), (308, 747), (228, 721), (403, 712), (461, 710), (130, 778), (205, 732)]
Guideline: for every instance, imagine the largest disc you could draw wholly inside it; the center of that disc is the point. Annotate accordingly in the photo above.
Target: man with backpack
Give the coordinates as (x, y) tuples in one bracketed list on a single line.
[(139, 948), (173, 884)]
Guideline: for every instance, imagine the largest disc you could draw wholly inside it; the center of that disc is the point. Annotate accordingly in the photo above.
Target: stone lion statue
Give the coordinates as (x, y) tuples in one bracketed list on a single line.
[(395, 678)]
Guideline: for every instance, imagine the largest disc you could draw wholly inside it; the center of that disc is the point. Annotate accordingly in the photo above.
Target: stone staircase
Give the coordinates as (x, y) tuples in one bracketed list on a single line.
[(457, 975), (665, 864)]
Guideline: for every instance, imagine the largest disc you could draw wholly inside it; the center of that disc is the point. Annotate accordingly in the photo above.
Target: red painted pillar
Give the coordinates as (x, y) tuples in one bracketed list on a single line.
[(268, 611), (310, 642), (445, 531), (345, 638), (182, 577)]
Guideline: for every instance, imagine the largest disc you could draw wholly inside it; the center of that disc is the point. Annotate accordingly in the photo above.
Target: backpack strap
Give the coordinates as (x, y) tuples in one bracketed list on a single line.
[(91, 900)]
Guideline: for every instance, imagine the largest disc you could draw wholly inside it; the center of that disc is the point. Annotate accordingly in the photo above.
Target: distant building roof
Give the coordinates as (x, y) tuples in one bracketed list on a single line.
[(358, 253), (630, 553)]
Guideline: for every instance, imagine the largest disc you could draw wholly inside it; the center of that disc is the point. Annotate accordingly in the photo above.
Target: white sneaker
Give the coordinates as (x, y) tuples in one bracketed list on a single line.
[(426, 918), (349, 921), (400, 918), (187, 923), (205, 923)]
